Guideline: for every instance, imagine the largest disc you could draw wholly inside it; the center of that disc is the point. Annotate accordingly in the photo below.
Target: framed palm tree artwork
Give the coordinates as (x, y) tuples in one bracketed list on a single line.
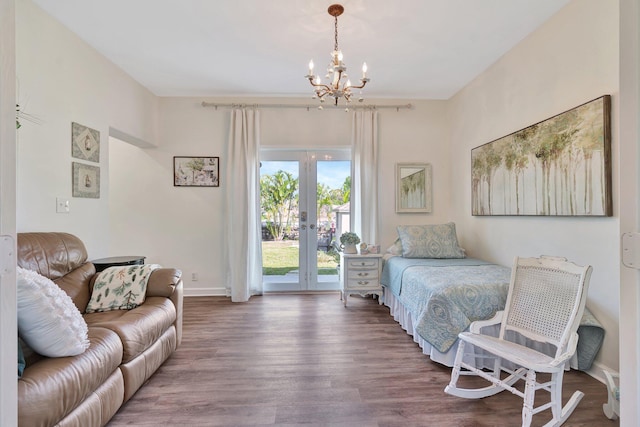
[(558, 167)]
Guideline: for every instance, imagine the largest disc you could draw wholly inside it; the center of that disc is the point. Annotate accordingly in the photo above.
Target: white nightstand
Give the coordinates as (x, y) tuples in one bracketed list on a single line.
[(360, 274)]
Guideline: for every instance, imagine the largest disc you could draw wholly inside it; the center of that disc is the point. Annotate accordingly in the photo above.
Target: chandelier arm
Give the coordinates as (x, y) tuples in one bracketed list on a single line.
[(321, 85), (364, 82)]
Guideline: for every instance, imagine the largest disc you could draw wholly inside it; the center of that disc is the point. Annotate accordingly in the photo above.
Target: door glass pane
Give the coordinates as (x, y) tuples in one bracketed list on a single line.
[(332, 207), (279, 197)]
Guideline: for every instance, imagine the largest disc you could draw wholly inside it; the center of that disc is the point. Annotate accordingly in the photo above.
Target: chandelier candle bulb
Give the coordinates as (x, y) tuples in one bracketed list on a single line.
[(311, 67), (364, 70)]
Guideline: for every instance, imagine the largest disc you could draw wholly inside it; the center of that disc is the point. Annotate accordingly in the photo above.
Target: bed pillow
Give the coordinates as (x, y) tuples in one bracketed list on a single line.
[(396, 248), (430, 241), (48, 320)]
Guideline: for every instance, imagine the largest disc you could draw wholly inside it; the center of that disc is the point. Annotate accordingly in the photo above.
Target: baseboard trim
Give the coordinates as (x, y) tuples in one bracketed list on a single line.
[(205, 292), (596, 371)]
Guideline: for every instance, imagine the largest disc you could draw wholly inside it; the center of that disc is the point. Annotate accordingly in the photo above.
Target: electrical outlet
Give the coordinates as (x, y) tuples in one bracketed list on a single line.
[(194, 277), (62, 205)]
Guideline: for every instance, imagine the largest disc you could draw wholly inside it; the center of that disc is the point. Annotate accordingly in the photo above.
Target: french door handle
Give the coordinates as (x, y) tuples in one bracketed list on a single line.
[(312, 226), (303, 227)]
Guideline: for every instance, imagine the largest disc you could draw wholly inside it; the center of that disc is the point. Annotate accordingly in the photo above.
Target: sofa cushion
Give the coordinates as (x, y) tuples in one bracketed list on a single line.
[(48, 320), (51, 254), (138, 328), (77, 284), (51, 388)]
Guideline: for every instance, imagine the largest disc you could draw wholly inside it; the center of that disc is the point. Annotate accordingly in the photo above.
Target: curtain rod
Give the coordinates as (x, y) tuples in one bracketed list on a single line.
[(307, 107)]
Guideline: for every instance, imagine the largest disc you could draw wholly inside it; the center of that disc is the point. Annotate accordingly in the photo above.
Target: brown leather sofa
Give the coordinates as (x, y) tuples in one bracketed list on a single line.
[(126, 346)]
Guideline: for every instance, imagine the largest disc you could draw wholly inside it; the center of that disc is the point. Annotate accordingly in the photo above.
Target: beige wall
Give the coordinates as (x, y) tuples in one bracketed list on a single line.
[(191, 219), (62, 80), (571, 59)]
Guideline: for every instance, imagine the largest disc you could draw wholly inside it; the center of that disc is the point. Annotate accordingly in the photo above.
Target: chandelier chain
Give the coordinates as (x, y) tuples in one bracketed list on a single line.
[(336, 33)]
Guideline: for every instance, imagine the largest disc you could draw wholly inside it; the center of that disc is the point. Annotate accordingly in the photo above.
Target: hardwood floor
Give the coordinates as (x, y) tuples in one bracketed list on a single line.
[(304, 359)]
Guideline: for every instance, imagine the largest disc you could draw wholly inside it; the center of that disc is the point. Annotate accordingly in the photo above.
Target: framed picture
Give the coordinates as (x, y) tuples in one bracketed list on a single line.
[(413, 188), (196, 171), (86, 181), (85, 143), (557, 167)]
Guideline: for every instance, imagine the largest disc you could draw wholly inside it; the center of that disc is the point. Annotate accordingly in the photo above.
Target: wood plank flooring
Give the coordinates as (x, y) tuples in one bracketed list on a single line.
[(304, 359)]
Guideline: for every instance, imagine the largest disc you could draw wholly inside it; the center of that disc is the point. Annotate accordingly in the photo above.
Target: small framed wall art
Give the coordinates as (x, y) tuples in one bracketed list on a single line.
[(86, 181), (85, 143), (196, 171), (413, 188)]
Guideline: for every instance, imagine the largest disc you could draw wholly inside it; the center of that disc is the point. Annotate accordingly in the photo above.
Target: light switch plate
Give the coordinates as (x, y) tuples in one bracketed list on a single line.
[(62, 205), (631, 250)]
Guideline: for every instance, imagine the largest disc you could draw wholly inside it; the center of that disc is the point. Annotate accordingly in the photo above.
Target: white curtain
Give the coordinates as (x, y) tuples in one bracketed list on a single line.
[(243, 232), (364, 176)]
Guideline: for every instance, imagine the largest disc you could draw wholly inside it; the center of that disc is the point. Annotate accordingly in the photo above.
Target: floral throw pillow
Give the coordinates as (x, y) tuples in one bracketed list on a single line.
[(430, 241), (120, 288)]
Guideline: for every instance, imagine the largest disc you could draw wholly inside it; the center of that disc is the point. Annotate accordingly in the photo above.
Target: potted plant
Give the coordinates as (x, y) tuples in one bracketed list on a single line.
[(349, 241)]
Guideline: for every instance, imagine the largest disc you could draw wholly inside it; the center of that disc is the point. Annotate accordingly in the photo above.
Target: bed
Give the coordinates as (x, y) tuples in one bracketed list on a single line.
[(434, 299)]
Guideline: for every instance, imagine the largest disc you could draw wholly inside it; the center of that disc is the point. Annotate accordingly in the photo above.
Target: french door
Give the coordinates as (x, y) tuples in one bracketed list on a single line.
[(304, 208)]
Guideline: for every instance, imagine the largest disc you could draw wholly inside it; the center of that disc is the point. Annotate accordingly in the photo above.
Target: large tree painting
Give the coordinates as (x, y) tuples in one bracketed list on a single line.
[(560, 166)]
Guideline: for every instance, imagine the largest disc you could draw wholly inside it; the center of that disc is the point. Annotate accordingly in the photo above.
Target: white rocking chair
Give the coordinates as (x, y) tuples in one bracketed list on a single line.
[(545, 303)]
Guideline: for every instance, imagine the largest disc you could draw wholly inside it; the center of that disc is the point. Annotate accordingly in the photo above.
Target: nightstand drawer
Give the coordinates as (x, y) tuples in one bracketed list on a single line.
[(368, 274), (363, 263), (363, 283)]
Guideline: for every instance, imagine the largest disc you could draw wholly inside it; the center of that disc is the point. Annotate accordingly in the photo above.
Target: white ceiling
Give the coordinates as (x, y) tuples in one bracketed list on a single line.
[(420, 49)]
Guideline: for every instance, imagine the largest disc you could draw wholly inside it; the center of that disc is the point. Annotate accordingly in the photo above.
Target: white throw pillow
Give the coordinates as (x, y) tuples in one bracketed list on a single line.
[(48, 320)]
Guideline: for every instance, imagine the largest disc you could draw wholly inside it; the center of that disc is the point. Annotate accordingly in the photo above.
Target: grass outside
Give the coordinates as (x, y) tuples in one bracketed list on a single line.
[(279, 258)]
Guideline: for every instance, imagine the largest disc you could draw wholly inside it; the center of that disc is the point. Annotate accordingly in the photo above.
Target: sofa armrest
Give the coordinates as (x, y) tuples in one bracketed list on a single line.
[(177, 298), (162, 282), (167, 282)]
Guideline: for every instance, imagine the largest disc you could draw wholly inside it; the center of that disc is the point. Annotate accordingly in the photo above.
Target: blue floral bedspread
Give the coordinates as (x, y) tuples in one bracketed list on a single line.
[(445, 295)]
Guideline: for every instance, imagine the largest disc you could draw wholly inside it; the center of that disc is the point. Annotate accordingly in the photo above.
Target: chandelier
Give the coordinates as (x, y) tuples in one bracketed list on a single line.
[(339, 85)]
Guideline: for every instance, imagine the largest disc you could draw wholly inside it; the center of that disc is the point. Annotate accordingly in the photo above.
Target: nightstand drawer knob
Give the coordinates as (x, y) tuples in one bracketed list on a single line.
[(363, 274), (363, 282)]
